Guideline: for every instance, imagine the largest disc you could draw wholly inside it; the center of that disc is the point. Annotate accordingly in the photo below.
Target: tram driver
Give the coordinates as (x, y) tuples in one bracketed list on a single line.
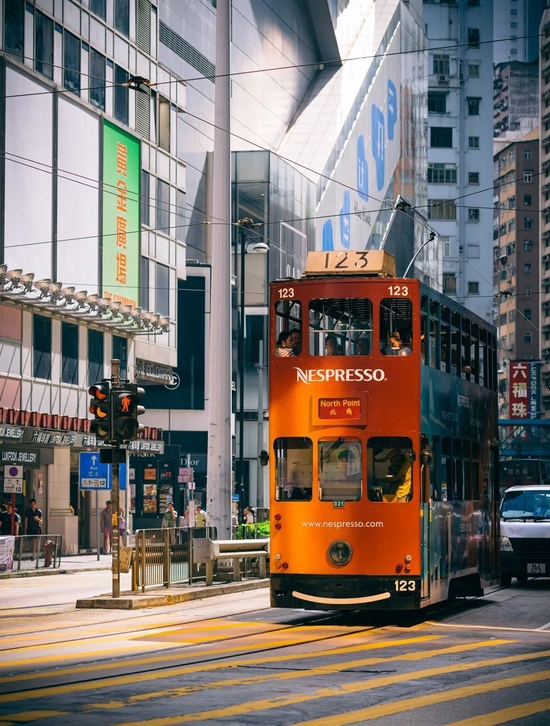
[(397, 484)]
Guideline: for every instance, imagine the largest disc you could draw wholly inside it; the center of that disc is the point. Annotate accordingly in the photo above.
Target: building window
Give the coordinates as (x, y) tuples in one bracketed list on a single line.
[(473, 142), (98, 7), (473, 106), (473, 252), (527, 154), (527, 268), (42, 347), (71, 56), (441, 65), (473, 37), (441, 138), (163, 289), (122, 16), (14, 22), (442, 209), (528, 176), (528, 337), (473, 214), (95, 356), (527, 245), (526, 200), (97, 79), (511, 202), (144, 283), (163, 125), (441, 174), (163, 207), (145, 198), (528, 223), (437, 102), (527, 291), (446, 241), (121, 95), (473, 70), (181, 221), (511, 225), (120, 352), (473, 288), (527, 313), (449, 283), (69, 353), (473, 177), (43, 45)]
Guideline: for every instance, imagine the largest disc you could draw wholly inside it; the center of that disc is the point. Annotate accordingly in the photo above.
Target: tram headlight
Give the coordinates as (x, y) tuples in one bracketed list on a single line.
[(505, 544), (339, 553)]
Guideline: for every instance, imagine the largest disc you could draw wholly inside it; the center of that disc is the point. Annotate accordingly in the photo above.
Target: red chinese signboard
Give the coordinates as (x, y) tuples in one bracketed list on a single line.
[(340, 408), (524, 380)]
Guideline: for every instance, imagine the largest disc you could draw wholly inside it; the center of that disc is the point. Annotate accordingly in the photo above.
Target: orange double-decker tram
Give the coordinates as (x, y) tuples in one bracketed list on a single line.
[(383, 430)]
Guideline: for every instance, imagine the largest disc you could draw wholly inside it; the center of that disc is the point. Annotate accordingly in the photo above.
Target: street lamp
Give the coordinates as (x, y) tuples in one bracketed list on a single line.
[(245, 247)]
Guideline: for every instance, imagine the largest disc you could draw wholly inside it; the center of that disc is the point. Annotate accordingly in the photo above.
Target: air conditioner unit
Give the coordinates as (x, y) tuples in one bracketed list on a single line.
[(444, 79)]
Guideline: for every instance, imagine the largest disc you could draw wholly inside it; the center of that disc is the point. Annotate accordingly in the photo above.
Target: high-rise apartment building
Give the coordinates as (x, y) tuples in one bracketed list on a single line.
[(460, 135), (515, 100), (516, 28), (543, 289)]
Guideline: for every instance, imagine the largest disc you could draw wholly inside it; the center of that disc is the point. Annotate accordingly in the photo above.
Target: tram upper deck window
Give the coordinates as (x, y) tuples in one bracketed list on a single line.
[(396, 326), (389, 469), (288, 328), (340, 468), (341, 326), (293, 469)]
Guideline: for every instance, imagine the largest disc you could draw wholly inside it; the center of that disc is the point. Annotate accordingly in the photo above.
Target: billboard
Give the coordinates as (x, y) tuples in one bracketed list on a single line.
[(121, 223), (524, 377)]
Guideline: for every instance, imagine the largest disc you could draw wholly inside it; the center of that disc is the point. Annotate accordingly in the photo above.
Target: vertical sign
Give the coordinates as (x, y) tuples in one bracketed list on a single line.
[(524, 389), (121, 223)]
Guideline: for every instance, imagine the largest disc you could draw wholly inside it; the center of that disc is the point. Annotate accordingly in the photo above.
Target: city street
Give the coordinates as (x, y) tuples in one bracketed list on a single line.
[(232, 659)]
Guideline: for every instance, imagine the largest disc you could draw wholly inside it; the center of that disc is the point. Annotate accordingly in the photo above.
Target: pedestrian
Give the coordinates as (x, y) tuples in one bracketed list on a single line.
[(200, 516), (33, 526), (170, 517), (122, 526), (249, 515), (6, 521), (107, 527)]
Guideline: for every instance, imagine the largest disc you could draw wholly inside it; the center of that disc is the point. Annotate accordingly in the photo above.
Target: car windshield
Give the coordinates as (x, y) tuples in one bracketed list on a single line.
[(526, 504)]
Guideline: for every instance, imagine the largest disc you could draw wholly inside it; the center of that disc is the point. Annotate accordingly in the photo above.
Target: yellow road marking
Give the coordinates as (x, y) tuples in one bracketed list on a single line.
[(505, 715), (357, 687), (390, 709), (288, 675), (30, 716), (125, 680), (483, 627)]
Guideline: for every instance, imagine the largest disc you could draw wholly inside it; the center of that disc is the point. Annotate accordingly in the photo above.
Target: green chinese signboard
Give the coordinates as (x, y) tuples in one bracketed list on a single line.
[(121, 224)]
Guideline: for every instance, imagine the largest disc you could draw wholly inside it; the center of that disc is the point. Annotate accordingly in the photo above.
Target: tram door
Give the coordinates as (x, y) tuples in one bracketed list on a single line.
[(425, 514)]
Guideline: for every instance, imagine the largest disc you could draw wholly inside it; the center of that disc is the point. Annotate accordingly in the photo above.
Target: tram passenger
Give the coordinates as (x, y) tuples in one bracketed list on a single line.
[(332, 346), (397, 484), (397, 346), (363, 347), (296, 341), (285, 344)]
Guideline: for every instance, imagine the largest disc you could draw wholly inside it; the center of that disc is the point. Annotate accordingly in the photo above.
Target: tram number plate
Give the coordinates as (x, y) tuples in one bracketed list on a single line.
[(536, 569), (338, 503), (405, 585)]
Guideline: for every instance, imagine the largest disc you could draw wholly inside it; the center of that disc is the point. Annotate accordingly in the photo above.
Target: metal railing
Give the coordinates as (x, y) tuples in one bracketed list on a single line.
[(165, 556), (33, 551)]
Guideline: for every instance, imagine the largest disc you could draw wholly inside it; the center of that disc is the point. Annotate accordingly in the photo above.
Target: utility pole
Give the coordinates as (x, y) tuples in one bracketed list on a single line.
[(115, 494), (219, 478)]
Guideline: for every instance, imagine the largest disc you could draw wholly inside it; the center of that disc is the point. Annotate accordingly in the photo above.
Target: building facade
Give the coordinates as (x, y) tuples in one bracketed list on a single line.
[(544, 206), (460, 147)]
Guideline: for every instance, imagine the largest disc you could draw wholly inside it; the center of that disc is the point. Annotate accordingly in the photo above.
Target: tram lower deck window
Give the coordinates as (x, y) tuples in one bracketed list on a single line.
[(340, 469), (293, 468), (389, 475)]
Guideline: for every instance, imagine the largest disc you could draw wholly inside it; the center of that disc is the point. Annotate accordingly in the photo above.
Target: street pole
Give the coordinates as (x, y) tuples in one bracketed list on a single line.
[(219, 354), (115, 494), (260, 494), (240, 347), (97, 526)]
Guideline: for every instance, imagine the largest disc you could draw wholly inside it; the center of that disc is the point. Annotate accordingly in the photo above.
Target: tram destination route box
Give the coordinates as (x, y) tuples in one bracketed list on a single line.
[(374, 263), (350, 409)]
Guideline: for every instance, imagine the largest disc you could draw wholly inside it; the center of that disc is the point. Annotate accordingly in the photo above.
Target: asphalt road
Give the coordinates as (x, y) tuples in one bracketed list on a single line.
[(233, 660)]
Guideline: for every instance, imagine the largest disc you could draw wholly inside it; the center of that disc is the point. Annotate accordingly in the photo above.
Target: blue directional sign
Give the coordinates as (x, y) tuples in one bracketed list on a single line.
[(95, 475)]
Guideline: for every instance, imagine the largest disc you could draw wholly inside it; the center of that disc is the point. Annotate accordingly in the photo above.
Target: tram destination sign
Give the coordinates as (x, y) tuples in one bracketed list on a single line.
[(339, 408), (350, 262)]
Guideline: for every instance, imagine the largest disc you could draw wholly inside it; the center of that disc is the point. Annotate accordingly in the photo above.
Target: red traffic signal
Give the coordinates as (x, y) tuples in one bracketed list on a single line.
[(126, 411)]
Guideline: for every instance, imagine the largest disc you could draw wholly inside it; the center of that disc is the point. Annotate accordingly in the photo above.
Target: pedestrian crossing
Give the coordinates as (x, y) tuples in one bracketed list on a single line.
[(317, 674)]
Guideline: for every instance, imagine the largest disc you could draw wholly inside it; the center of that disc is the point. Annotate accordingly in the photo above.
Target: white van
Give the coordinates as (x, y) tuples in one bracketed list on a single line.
[(525, 533)]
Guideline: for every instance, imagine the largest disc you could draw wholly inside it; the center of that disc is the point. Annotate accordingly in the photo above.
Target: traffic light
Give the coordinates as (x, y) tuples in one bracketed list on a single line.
[(100, 407), (126, 411)]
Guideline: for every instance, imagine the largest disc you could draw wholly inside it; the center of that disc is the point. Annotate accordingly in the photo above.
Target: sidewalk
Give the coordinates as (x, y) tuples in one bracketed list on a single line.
[(69, 563)]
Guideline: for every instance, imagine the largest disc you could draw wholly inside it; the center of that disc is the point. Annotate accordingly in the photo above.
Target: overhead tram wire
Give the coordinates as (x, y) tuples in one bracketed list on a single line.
[(291, 66)]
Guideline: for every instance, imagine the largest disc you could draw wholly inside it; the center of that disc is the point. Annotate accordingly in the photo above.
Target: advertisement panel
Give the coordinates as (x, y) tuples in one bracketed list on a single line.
[(121, 177), (524, 389)]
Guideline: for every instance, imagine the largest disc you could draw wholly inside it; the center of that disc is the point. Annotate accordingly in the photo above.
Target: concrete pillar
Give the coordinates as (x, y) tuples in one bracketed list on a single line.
[(60, 519)]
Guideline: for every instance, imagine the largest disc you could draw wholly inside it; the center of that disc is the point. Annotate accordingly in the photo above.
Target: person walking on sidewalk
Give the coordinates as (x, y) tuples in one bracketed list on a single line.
[(33, 526), (107, 527)]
